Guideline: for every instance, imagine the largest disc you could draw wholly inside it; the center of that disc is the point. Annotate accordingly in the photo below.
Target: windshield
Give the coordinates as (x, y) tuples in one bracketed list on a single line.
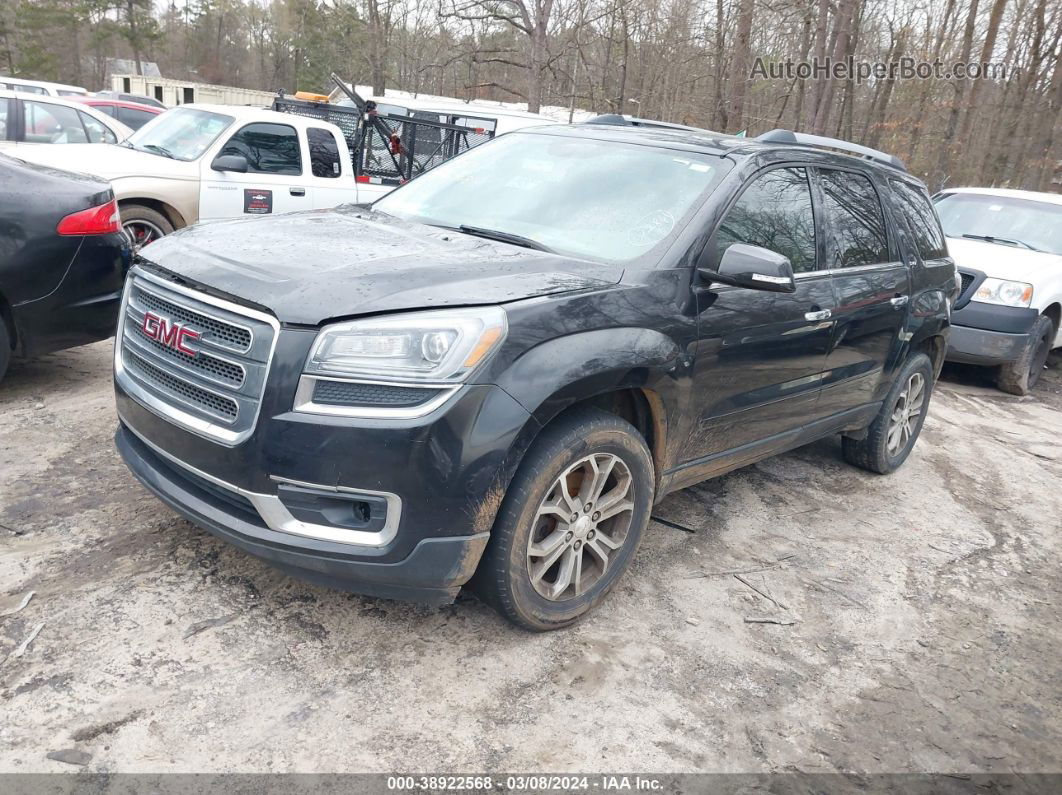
[(182, 133), (596, 199), (1021, 223)]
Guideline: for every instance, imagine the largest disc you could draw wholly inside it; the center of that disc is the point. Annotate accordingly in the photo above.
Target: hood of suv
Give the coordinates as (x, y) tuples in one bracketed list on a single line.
[(1001, 261), (315, 266), (109, 161)]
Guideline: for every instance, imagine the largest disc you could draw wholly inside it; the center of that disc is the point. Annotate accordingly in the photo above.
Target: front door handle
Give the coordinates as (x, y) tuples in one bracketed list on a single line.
[(899, 301), (297, 191), (822, 314)]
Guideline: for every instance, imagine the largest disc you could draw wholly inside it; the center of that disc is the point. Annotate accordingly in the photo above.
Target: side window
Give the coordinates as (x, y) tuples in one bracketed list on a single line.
[(854, 213), (915, 208), (108, 109), (324, 153), (53, 124), (131, 117), (269, 148), (5, 114), (774, 212), (97, 133)]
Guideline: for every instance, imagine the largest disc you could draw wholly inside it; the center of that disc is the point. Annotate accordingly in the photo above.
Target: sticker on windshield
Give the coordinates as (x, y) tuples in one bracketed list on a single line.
[(257, 202), (651, 229)]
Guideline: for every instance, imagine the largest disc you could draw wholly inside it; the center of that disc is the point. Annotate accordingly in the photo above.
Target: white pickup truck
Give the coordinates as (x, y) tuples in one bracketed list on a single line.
[(199, 162)]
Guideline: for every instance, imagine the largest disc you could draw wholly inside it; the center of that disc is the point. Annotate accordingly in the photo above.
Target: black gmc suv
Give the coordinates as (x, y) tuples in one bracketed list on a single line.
[(491, 374)]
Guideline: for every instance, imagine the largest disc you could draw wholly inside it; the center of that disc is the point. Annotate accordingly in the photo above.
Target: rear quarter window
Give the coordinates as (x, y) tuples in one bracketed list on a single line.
[(915, 208)]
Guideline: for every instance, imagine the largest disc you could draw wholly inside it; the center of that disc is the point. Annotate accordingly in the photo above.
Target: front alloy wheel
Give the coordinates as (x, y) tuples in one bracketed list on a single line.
[(570, 522), (582, 522)]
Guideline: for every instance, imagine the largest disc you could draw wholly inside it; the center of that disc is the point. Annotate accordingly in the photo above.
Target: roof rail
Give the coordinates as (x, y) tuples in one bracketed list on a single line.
[(806, 139), (632, 121)]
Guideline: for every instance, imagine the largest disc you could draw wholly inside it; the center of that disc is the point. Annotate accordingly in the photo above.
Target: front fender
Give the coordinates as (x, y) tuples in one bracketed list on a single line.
[(556, 374)]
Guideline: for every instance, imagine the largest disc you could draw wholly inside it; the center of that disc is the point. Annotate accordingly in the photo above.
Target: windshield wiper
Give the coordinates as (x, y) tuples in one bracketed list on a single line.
[(504, 237), (1006, 241), (159, 149)]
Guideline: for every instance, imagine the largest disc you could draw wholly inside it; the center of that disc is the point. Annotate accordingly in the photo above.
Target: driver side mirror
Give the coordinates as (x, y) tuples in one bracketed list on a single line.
[(753, 267), (236, 163)]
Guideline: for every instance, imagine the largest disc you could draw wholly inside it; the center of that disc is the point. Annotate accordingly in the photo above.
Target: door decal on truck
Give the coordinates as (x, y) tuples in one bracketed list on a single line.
[(257, 201)]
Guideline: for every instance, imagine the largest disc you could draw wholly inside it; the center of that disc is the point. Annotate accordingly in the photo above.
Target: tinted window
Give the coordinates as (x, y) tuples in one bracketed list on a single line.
[(5, 114), (915, 208), (855, 216), (324, 153), (53, 124), (269, 148), (108, 109), (134, 118), (774, 212), (97, 132)]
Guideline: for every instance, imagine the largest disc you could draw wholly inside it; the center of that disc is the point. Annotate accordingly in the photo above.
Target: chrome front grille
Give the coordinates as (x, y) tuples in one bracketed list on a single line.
[(234, 336), (209, 378)]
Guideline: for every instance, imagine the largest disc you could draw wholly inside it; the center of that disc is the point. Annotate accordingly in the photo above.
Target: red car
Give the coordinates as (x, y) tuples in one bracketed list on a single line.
[(131, 114)]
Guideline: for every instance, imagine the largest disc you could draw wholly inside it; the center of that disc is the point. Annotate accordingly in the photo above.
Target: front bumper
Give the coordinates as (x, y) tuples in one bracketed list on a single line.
[(986, 334), (433, 572)]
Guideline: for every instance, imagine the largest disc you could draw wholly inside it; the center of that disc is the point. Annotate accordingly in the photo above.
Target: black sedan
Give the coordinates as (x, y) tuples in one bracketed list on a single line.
[(63, 258)]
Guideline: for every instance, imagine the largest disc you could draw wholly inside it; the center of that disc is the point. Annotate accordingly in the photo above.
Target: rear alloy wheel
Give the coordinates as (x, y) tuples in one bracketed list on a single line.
[(570, 522), (143, 225), (894, 431), (1020, 376)]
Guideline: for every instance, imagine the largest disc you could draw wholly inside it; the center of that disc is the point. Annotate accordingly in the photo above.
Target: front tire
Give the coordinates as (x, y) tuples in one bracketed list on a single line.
[(143, 225), (893, 433), (571, 521), (1020, 376)]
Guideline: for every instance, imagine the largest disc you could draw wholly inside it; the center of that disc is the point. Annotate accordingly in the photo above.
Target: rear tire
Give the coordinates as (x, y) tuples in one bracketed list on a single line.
[(142, 225), (553, 555), (893, 433), (1020, 376)]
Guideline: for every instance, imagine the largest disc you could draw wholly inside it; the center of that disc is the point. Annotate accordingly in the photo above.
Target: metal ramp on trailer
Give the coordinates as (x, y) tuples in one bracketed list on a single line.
[(392, 148)]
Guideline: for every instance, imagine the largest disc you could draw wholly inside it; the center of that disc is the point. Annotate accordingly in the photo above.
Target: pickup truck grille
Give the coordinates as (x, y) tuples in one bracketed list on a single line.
[(198, 361)]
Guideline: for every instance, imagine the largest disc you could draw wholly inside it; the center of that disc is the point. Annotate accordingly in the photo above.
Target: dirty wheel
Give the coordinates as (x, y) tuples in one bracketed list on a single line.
[(570, 523), (1020, 376), (142, 225), (893, 433)]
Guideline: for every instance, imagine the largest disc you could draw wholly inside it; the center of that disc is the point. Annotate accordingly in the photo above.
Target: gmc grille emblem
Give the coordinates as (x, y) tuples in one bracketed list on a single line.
[(170, 333)]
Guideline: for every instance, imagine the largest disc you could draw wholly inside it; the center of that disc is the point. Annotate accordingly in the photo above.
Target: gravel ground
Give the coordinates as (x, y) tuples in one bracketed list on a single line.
[(925, 630)]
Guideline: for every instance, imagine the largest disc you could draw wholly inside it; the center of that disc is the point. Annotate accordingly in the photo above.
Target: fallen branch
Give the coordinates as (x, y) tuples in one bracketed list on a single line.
[(25, 601), (25, 644), (765, 595), (784, 621)]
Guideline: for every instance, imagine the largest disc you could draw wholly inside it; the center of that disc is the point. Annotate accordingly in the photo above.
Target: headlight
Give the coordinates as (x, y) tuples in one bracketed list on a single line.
[(1004, 293), (439, 346)]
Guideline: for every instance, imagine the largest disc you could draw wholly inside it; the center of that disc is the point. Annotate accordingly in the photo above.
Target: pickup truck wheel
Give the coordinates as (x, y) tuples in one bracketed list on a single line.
[(142, 225), (893, 433), (570, 522), (1020, 376)]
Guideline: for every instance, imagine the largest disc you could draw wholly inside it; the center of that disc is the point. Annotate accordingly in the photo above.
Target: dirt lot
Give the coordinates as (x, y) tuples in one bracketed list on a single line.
[(926, 632)]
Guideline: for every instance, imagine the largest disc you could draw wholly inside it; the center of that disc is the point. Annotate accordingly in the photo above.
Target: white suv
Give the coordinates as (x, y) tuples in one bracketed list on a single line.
[(1008, 248)]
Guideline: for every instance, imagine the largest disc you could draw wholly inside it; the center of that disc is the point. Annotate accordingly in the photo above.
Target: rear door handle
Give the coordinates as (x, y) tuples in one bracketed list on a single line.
[(297, 191), (898, 301), (822, 314)]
